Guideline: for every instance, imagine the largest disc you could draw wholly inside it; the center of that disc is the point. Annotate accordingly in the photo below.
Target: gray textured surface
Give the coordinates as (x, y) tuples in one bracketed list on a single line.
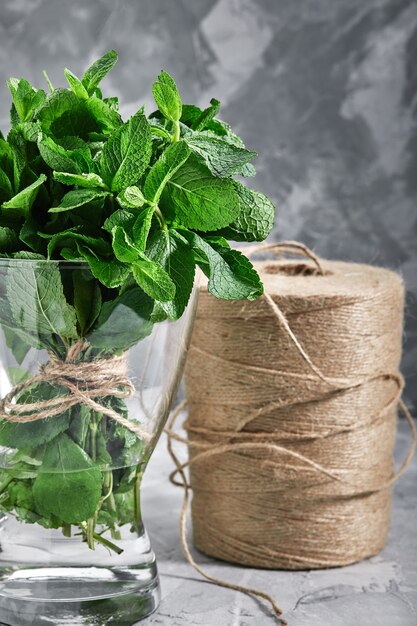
[(381, 591), (324, 90)]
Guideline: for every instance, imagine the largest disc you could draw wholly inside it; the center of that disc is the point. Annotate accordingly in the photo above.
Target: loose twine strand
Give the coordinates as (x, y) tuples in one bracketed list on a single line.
[(251, 441), (81, 382)]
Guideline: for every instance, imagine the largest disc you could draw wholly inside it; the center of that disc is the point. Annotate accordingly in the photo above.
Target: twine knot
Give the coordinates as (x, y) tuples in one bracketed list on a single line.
[(78, 382)]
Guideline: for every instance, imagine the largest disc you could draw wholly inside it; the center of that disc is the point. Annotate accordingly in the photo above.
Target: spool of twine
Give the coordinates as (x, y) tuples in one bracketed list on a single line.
[(292, 408)]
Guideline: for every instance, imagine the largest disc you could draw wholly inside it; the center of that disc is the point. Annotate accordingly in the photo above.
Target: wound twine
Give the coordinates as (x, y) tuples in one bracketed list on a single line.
[(292, 406), (82, 382)]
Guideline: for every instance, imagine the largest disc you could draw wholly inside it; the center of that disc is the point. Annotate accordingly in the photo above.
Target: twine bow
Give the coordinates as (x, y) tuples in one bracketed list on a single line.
[(81, 382)]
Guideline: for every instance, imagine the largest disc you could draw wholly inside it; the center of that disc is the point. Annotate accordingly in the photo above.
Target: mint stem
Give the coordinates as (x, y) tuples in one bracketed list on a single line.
[(90, 534), (50, 85), (138, 514), (161, 218), (176, 135), (66, 529), (108, 544)]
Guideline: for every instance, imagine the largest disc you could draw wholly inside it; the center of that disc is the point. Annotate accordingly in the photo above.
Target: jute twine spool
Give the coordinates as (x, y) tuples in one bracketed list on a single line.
[(292, 408)]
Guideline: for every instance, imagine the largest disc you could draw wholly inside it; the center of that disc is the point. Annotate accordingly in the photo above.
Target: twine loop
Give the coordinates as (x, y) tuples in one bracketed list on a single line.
[(287, 247), (79, 382)]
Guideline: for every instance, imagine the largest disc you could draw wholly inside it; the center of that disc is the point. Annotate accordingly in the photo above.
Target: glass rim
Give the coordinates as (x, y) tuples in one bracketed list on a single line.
[(7, 261)]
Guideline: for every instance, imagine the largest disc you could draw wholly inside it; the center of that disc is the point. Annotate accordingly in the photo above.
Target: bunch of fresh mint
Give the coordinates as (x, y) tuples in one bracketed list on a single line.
[(141, 203)]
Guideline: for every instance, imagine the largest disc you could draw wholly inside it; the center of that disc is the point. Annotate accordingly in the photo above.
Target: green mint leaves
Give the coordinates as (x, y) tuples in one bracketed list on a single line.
[(72, 493), (167, 97), (222, 158), (21, 203), (126, 154), (38, 303), (98, 70), (104, 222), (199, 200), (164, 169), (231, 275), (26, 99), (139, 200)]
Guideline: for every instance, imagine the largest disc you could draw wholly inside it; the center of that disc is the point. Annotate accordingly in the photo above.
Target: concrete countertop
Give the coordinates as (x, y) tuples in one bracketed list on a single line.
[(381, 591)]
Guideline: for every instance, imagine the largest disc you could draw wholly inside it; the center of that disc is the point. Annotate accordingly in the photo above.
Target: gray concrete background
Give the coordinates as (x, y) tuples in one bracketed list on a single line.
[(325, 91), (381, 591)]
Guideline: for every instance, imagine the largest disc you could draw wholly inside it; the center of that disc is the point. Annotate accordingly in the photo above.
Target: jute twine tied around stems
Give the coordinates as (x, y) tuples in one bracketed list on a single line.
[(82, 382), (292, 405)]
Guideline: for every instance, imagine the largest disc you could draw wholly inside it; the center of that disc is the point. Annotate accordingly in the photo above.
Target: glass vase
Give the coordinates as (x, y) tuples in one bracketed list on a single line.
[(87, 377)]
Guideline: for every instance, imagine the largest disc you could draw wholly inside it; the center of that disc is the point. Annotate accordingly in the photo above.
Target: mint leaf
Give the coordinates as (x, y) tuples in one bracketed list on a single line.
[(222, 158), (98, 70), (112, 102), (77, 198), (80, 422), (20, 205), (69, 485), (8, 240), (62, 160), (207, 115), (19, 148), (81, 180), (190, 114), (76, 85), (256, 218), (63, 114), (142, 227), (123, 247), (6, 189), (87, 299), (131, 198), (26, 99), (14, 117), (109, 271), (223, 130), (198, 119), (33, 434), (126, 154), (198, 199), (29, 235), (121, 217), (30, 131), (37, 301), (72, 237), (107, 118), (164, 169), (71, 142), (193, 117), (16, 336), (231, 275), (6, 159), (215, 128), (18, 346), (153, 279), (122, 322), (247, 170), (176, 257), (167, 97)]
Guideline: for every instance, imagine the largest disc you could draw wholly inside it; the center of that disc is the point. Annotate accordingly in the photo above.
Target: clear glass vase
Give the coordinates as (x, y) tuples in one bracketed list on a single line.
[(87, 377)]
